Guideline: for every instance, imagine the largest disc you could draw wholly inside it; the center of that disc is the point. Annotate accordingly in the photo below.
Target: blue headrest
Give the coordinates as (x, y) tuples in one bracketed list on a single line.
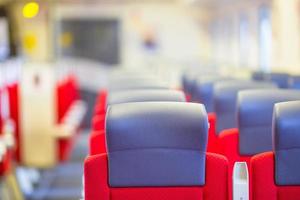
[(255, 110), (225, 98), (204, 90), (295, 82), (281, 79), (190, 77), (144, 95), (286, 139), (136, 84), (156, 144)]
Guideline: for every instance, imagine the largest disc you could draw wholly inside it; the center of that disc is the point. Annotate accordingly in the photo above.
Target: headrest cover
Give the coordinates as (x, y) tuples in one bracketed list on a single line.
[(145, 95), (286, 139), (255, 109), (156, 144), (204, 90), (137, 83), (225, 99), (281, 79)]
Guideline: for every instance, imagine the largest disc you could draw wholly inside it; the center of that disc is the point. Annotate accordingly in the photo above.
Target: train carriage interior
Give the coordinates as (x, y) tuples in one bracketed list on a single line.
[(149, 99)]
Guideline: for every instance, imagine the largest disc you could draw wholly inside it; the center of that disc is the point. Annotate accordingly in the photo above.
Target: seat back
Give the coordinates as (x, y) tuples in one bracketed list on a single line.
[(280, 79), (203, 92), (295, 82), (255, 110), (149, 142), (225, 99), (286, 139)]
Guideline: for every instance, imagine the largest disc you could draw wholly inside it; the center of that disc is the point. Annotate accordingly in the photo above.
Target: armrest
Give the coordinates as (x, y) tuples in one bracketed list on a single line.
[(71, 121), (97, 143), (96, 178)]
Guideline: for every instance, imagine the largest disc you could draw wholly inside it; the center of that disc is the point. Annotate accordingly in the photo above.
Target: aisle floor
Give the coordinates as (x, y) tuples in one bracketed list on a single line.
[(65, 181)]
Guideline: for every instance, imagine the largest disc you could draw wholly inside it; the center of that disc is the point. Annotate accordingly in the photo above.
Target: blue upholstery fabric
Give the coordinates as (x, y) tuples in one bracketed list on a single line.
[(255, 109), (280, 79), (225, 99), (156, 144), (295, 82), (136, 83), (190, 77), (259, 76), (204, 91), (145, 95), (286, 137)]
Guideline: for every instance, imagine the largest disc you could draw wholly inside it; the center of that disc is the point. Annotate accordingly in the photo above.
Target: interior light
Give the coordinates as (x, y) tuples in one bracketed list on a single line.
[(31, 9)]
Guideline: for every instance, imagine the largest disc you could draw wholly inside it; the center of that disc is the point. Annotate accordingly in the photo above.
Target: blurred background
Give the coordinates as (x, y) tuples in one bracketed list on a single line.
[(52, 41)]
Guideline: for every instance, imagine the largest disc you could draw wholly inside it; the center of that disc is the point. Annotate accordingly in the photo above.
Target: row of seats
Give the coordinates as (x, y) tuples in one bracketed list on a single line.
[(68, 110), (151, 144)]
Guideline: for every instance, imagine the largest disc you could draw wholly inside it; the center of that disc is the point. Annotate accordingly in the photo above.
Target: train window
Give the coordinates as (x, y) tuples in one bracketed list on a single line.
[(265, 38), (244, 41)]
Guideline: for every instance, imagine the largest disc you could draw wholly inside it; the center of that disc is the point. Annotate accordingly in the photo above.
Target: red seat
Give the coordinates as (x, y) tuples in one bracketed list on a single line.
[(275, 175), (97, 142), (13, 92), (96, 187), (67, 93), (102, 179)]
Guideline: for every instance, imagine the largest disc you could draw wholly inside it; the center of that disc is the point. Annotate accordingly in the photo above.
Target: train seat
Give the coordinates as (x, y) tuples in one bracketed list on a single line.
[(127, 97), (203, 93), (156, 150), (280, 79), (254, 132), (225, 99), (275, 174), (128, 83), (70, 113), (295, 82)]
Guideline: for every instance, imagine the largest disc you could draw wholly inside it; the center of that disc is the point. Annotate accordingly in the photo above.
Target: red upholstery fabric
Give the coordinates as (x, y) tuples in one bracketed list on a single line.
[(212, 145), (97, 143), (67, 93), (188, 97), (263, 177), (5, 165), (1, 122), (14, 99), (96, 187), (229, 147), (98, 123), (100, 106), (65, 147), (96, 177)]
